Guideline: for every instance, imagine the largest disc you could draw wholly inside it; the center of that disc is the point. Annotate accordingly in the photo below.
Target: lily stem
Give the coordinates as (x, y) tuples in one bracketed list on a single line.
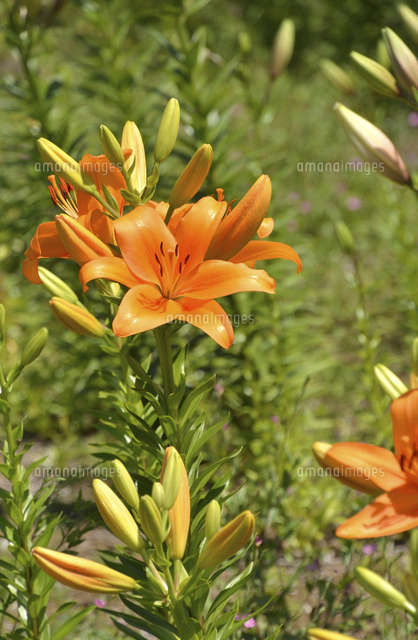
[(163, 341)]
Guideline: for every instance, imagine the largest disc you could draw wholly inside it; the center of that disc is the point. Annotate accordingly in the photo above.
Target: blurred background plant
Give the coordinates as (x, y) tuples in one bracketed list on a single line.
[(302, 367)]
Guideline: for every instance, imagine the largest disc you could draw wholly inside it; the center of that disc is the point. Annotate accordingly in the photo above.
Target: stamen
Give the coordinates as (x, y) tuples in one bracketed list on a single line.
[(180, 267), (176, 251), (63, 187), (221, 196), (53, 196), (186, 259), (159, 264), (402, 462), (162, 248)]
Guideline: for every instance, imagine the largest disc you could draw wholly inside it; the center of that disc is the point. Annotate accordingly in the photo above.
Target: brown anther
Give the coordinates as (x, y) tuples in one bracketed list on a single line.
[(162, 248), (63, 187), (176, 251), (186, 259), (180, 267), (402, 462), (230, 206), (53, 195), (159, 264)]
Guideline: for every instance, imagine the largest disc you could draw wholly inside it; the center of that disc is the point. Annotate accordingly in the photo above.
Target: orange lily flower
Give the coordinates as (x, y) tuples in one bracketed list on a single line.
[(169, 277), (379, 471), (82, 208)]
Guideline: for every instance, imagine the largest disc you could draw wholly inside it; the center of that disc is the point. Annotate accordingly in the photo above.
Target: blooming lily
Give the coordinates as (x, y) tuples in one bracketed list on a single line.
[(392, 477), (168, 273)]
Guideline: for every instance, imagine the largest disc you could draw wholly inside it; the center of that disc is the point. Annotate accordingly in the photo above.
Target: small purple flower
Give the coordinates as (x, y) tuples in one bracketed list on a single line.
[(305, 207), (354, 203), (225, 426), (369, 549), (314, 566), (413, 119), (249, 624), (99, 603), (219, 388), (274, 419)]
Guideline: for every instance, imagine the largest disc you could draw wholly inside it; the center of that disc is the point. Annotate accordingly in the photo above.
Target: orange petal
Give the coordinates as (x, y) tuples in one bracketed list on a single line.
[(210, 318), (81, 244), (258, 250), (143, 308), (390, 513), (114, 269), (240, 225), (404, 413), (46, 243), (100, 226), (265, 228), (195, 231), (141, 234), (102, 172), (217, 278), (364, 467)]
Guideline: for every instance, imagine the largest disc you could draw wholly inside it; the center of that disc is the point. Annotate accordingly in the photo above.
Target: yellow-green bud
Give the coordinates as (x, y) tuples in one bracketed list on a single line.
[(168, 130), (111, 147), (410, 586), (283, 46), (65, 166), (117, 516), (245, 42), (383, 590), (55, 286), (151, 521), (75, 318), (382, 55), (324, 634), (125, 485), (34, 347), (192, 178), (213, 519), (344, 236), (404, 63), (338, 76), (132, 139), (171, 478), (410, 19), (227, 541), (379, 78), (390, 383), (158, 494)]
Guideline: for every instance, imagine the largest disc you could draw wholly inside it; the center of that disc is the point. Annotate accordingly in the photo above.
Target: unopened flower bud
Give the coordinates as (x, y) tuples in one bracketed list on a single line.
[(75, 318), (324, 634), (34, 347), (245, 43), (168, 131), (404, 63), (151, 521), (338, 77), (111, 147), (157, 494), (192, 178), (82, 574), (171, 478), (382, 590), (117, 516), (125, 485), (213, 519), (55, 286), (389, 382), (345, 237), (283, 46), (132, 139), (227, 541), (81, 244), (410, 587), (410, 19), (350, 469), (65, 166), (382, 55), (179, 514), (373, 145), (379, 78)]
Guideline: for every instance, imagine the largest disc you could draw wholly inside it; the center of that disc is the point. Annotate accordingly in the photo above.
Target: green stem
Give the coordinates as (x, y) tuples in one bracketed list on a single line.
[(106, 205), (163, 341)]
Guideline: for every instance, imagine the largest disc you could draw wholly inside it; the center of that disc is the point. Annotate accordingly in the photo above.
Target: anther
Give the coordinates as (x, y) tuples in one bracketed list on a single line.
[(186, 259)]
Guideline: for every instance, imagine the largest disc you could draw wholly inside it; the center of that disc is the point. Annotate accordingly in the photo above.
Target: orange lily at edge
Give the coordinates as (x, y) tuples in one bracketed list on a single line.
[(394, 476), (168, 276)]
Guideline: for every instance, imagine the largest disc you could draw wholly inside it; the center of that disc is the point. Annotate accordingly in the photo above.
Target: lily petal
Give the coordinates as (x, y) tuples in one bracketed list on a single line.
[(390, 513), (216, 278), (210, 318), (265, 228), (81, 244), (46, 243), (102, 172), (144, 308), (109, 268), (259, 250), (404, 413)]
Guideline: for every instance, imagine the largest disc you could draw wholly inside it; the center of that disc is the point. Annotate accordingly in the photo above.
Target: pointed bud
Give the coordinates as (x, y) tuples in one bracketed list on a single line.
[(323, 634), (404, 63), (75, 318), (389, 382), (213, 519), (157, 494), (132, 139), (179, 514), (81, 574), (168, 131), (55, 286), (192, 177), (117, 516), (242, 223), (245, 42), (382, 55), (345, 237), (81, 244), (151, 521), (34, 347), (125, 485), (338, 77), (383, 590), (111, 147), (283, 46), (373, 145), (410, 587), (65, 166), (171, 478), (227, 541), (379, 78), (410, 19)]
